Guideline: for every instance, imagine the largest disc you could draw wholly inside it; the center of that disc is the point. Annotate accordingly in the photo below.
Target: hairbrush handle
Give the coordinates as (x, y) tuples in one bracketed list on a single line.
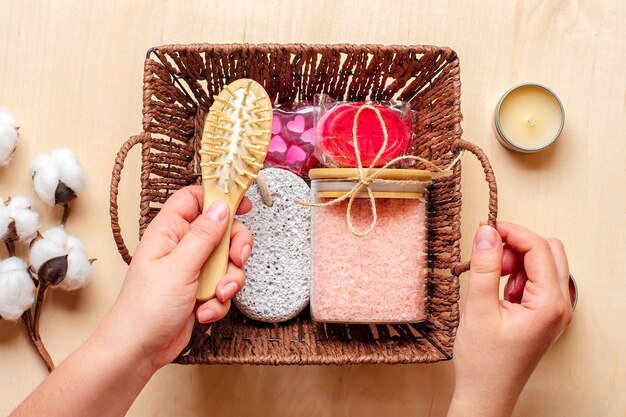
[(215, 266)]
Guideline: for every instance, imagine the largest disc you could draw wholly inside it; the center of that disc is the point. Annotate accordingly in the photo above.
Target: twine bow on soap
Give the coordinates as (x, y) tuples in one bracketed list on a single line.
[(369, 175)]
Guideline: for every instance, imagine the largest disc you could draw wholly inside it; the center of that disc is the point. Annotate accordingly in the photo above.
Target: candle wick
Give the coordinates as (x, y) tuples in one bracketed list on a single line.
[(530, 122)]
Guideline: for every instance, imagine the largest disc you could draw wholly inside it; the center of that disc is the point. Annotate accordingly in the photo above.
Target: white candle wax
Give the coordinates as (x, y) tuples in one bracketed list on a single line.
[(529, 117)]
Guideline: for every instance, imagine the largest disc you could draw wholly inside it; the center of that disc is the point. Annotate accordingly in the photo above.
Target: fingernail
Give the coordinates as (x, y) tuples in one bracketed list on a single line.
[(485, 238), (245, 253), (511, 284), (205, 315), (217, 212), (228, 291)]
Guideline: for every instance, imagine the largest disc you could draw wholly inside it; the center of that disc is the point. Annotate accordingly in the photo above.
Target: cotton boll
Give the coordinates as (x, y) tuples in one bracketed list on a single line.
[(39, 163), (45, 177), (78, 271), (58, 235), (20, 210), (4, 219), (19, 202), (8, 136), (57, 177), (74, 244), (6, 118), (8, 143), (11, 264), (55, 243), (70, 171), (43, 250), (16, 288)]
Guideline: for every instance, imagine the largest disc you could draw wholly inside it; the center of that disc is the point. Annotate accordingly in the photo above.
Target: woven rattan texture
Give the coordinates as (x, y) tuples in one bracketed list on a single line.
[(179, 83)]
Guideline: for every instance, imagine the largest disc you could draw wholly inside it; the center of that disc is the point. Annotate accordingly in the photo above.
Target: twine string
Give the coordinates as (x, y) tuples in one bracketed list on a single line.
[(264, 189), (369, 175)]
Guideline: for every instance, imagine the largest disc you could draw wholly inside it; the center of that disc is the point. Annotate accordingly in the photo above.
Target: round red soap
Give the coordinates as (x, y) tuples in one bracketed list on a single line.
[(335, 134)]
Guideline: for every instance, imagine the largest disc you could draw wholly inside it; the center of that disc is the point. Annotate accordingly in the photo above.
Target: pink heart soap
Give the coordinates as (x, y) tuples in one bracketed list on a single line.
[(309, 136), (293, 139), (277, 144), (296, 125), (275, 126), (295, 154)]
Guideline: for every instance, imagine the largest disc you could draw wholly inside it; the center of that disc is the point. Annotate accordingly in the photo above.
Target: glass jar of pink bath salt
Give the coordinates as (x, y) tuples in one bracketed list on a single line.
[(379, 277)]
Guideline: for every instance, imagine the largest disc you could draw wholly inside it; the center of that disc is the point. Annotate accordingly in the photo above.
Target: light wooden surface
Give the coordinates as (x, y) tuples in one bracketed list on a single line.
[(71, 72)]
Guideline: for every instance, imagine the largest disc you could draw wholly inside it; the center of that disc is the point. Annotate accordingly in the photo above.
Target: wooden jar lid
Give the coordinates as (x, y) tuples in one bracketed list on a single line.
[(342, 175), (387, 174)]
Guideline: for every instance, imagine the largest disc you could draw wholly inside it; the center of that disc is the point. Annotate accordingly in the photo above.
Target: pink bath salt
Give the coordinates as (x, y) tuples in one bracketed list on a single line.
[(378, 278)]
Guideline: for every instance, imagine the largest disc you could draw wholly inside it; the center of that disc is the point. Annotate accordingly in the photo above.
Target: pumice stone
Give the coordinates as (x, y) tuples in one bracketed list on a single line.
[(279, 268)]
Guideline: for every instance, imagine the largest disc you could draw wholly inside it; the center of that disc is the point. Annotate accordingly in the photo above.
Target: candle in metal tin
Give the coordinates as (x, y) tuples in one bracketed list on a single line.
[(529, 118)]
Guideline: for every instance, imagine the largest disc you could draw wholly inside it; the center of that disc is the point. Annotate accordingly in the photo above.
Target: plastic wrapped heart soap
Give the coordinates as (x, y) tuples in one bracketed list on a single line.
[(278, 272), (293, 139)]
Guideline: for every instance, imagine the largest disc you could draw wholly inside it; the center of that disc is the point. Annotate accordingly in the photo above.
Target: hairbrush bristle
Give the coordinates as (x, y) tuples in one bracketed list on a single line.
[(236, 136)]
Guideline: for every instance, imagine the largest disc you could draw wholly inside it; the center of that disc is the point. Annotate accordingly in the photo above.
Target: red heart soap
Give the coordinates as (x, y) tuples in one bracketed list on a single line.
[(335, 134)]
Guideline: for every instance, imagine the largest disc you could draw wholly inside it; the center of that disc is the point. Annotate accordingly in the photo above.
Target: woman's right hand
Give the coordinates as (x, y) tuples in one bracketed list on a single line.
[(500, 342)]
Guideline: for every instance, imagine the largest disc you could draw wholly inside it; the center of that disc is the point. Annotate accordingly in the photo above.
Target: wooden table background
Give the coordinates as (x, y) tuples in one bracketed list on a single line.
[(71, 73)]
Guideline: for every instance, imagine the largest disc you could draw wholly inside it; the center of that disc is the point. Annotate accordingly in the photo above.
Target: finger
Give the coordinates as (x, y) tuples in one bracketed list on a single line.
[(485, 272), (510, 283), (212, 310), (510, 261), (171, 223), (562, 266), (245, 206), (240, 243), (516, 284), (186, 203), (204, 235), (538, 261), (230, 285)]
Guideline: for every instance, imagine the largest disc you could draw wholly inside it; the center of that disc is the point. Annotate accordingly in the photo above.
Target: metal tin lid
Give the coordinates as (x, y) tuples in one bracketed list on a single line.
[(573, 291)]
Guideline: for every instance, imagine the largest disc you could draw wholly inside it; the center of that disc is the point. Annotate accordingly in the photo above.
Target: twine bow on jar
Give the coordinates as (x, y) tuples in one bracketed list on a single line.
[(369, 175)]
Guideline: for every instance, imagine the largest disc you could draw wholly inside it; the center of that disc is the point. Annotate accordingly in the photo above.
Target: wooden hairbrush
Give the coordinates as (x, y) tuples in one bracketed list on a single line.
[(235, 139)]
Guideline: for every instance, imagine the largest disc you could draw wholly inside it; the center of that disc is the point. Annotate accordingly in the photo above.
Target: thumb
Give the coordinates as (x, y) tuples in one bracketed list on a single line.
[(205, 234), (485, 271)]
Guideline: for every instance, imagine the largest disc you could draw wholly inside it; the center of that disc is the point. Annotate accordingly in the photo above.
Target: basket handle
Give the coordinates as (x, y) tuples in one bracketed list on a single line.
[(115, 180), (458, 268)]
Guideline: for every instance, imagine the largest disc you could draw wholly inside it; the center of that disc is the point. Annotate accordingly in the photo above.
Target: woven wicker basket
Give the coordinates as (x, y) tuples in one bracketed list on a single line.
[(179, 83)]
